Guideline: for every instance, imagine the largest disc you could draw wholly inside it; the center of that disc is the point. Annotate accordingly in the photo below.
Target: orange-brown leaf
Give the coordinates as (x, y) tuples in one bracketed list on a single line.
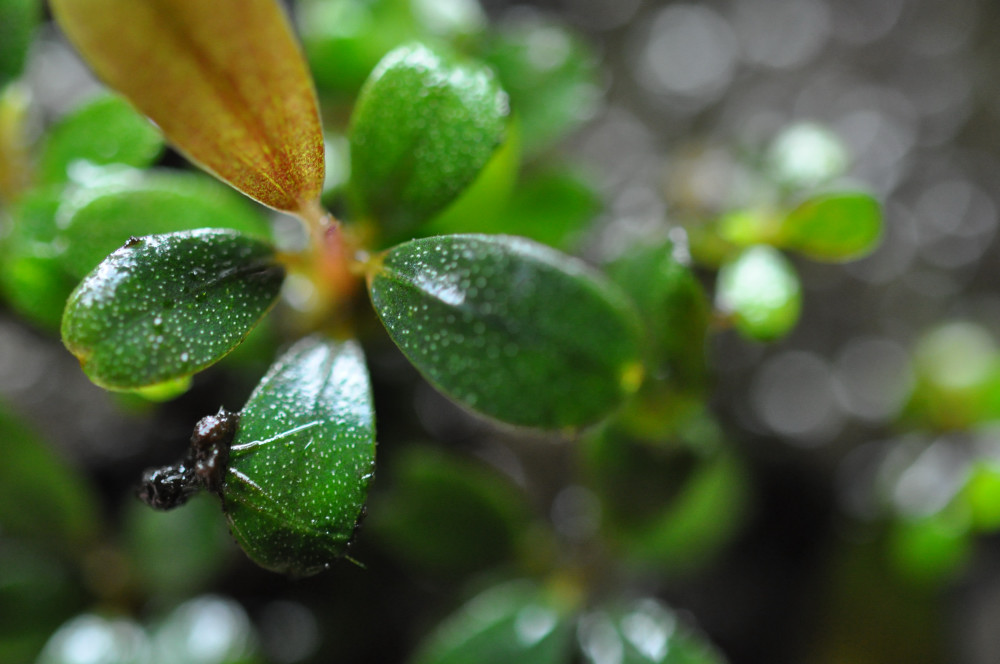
[(224, 79)]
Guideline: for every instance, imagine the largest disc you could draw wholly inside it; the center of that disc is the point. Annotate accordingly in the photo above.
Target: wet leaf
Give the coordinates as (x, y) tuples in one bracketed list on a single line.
[(166, 306), (103, 131), (422, 130), (834, 227), (760, 290), (302, 458), (514, 622), (225, 81), (18, 20), (510, 328), (95, 220)]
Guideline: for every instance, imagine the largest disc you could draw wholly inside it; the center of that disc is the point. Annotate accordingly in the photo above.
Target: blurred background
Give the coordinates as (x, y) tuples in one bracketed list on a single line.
[(840, 502)]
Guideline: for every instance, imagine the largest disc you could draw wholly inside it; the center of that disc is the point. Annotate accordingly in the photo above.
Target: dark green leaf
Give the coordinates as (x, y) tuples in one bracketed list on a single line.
[(760, 290), (18, 20), (166, 306), (302, 459), (422, 129), (510, 328), (514, 622), (834, 227), (97, 219), (103, 131)]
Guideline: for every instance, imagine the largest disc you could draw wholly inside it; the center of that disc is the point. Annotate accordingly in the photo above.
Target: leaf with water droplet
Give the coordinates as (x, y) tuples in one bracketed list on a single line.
[(225, 81), (510, 328), (166, 306), (760, 289), (95, 220), (302, 459), (105, 130), (518, 621), (834, 227), (422, 129)]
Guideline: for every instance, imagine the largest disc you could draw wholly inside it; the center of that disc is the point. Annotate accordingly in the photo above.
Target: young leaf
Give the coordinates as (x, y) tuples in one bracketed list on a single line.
[(761, 291), (422, 130), (95, 220), (103, 131), (510, 328), (166, 306), (224, 80), (834, 227), (302, 458)]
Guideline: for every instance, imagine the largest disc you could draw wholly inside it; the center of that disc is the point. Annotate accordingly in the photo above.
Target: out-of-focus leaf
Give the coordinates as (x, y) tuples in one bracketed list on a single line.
[(117, 640), (834, 227), (302, 458), (103, 131), (551, 76), (761, 291), (183, 635), (225, 81), (806, 155), (18, 20), (643, 631), (514, 622), (982, 494), (95, 220), (16, 163), (422, 130), (510, 328), (932, 549), (167, 306), (448, 515)]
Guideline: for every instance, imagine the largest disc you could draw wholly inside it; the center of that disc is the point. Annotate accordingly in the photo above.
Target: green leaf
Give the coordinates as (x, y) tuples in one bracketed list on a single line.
[(514, 622), (105, 130), (18, 20), (760, 290), (97, 219), (421, 131), (166, 306), (302, 458), (510, 328), (644, 631), (834, 227)]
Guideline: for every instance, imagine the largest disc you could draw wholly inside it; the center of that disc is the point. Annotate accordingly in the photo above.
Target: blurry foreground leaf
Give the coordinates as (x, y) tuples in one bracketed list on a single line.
[(167, 306), (834, 227), (18, 21), (761, 291), (302, 458), (510, 328), (225, 81)]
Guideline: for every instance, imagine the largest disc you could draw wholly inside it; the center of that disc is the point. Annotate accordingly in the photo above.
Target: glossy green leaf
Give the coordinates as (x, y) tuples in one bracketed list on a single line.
[(302, 459), (761, 291), (644, 631), (510, 328), (166, 306), (105, 130), (95, 220), (421, 131), (225, 81), (834, 227), (18, 20), (514, 622)]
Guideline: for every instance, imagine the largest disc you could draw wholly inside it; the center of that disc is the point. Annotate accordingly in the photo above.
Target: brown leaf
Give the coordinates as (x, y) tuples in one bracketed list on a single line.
[(224, 79)]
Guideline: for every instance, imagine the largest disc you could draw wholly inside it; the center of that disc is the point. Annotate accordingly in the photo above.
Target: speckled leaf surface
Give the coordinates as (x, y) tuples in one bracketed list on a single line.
[(510, 328), (166, 306), (224, 80), (95, 220), (834, 227), (760, 289), (303, 457), (421, 131)]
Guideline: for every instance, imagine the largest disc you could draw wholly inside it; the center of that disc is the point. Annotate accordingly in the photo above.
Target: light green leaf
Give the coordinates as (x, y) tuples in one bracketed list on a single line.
[(760, 290), (834, 227), (167, 306), (510, 328), (302, 458), (422, 129)]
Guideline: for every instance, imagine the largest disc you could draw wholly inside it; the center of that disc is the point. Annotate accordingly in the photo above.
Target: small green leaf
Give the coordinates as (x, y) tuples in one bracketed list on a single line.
[(834, 227), (95, 220), (514, 622), (422, 129), (167, 306), (18, 20), (510, 328), (760, 290), (302, 458), (105, 130)]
